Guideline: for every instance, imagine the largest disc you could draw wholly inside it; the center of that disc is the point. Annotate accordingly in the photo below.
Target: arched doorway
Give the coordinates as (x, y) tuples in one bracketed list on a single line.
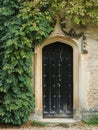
[(57, 80)]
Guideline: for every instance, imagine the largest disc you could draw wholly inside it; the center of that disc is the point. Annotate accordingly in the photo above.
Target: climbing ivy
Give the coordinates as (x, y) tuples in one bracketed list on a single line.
[(21, 26), (81, 12), (24, 23)]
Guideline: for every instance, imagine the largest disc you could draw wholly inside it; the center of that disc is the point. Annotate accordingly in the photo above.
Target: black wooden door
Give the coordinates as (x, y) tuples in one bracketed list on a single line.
[(57, 80)]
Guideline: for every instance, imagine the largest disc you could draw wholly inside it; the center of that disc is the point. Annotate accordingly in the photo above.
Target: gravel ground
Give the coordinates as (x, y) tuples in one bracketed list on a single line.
[(52, 128), (79, 126)]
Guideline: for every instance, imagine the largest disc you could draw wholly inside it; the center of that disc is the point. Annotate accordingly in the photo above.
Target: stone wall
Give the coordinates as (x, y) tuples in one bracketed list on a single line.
[(92, 66)]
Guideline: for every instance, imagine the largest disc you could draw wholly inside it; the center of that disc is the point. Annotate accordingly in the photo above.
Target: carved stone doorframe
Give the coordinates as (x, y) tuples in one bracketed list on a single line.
[(38, 72)]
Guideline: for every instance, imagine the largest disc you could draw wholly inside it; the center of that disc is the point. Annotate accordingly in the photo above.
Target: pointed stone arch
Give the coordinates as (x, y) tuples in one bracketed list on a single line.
[(56, 36)]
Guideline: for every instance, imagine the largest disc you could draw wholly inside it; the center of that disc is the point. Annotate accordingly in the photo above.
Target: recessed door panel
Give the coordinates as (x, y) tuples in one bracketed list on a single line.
[(57, 80)]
